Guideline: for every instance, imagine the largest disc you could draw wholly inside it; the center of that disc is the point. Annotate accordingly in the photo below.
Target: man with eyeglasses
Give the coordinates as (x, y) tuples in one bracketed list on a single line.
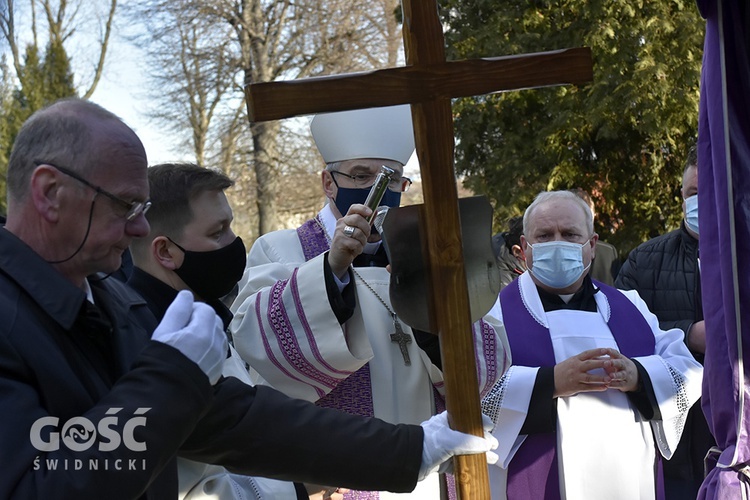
[(98, 402), (313, 316)]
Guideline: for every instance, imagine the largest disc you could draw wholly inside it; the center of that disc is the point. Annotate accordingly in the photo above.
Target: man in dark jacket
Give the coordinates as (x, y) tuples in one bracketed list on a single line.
[(191, 246), (666, 273), (97, 406)]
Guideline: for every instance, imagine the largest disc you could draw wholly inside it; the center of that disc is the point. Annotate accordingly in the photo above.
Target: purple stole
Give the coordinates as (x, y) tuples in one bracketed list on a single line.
[(533, 472), (354, 394), (312, 238)]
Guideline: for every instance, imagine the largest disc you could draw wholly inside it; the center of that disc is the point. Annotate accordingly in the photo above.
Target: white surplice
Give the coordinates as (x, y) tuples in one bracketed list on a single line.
[(605, 448), (285, 329)]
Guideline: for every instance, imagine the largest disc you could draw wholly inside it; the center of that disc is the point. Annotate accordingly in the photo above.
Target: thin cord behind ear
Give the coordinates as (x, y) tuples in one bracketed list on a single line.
[(85, 236)]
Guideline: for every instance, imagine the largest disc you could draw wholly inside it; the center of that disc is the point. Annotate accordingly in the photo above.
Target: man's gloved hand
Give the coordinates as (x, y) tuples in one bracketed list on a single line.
[(441, 443), (194, 329)]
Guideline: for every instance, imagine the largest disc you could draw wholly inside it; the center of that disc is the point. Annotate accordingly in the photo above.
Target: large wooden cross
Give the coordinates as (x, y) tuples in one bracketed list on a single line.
[(429, 83)]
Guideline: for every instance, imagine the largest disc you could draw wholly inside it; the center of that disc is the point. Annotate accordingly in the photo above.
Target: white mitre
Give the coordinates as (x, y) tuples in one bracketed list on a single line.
[(384, 133)]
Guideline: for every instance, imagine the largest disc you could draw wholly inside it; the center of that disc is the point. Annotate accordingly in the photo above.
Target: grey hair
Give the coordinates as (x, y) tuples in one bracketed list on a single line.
[(333, 166), (58, 134), (546, 196)]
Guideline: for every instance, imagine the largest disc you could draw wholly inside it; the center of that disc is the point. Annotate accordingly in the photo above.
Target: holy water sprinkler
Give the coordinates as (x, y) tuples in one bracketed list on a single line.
[(378, 190)]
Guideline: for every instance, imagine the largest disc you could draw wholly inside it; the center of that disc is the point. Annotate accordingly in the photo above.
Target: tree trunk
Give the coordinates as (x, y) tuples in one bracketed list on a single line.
[(266, 174)]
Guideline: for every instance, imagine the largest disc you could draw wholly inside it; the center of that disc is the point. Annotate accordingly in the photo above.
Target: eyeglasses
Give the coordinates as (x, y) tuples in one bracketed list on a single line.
[(365, 180), (133, 208)]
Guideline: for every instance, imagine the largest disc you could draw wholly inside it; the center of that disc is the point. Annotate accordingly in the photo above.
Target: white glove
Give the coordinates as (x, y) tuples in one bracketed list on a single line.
[(441, 443), (194, 329)]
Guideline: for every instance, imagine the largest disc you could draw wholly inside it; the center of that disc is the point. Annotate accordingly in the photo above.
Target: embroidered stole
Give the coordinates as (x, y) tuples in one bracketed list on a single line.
[(533, 472), (353, 394)]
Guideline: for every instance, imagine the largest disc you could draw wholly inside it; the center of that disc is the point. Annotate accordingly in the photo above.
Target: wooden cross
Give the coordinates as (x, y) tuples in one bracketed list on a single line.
[(429, 83), (401, 338)]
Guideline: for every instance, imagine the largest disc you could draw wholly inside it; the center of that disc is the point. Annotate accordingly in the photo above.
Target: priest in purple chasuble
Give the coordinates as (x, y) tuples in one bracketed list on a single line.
[(313, 316), (598, 394)]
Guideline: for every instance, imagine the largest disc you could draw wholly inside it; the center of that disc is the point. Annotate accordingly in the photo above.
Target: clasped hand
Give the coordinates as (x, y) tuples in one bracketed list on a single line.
[(576, 374)]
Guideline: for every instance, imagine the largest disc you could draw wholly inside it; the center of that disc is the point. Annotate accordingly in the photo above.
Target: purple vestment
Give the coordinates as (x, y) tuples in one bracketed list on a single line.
[(352, 395), (533, 472)]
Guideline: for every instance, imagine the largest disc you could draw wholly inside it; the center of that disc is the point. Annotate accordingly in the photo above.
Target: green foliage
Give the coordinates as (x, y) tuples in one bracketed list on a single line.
[(623, 138), (58, 77), (41, 82)]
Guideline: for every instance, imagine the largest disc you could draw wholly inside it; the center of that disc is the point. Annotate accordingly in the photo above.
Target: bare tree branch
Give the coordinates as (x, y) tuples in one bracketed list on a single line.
[(102, 51), (8, 27), (205, 51)]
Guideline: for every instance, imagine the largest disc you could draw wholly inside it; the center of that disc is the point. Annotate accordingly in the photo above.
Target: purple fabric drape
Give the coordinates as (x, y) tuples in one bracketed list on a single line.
[(724, 205)]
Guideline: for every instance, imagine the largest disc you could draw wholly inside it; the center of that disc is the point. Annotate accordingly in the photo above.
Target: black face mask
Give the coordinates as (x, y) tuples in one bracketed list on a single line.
[(213, 274)]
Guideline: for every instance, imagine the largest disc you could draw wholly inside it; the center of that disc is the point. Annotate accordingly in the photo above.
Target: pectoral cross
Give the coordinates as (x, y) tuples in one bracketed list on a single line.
[(402, 338)]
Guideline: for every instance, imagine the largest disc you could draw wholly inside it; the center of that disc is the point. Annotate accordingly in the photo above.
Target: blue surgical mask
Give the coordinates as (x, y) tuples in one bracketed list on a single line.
[(557, 264), (691, 213), (346, 197)]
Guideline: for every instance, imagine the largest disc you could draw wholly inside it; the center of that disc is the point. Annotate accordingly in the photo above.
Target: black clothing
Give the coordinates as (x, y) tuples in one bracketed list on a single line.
[(48, 369), (582, 300), (159, 296), (664, 271), (377, 259), (342, 302)]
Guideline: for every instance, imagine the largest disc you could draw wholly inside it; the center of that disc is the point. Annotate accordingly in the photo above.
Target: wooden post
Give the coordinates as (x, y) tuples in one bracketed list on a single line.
[(441, 226)]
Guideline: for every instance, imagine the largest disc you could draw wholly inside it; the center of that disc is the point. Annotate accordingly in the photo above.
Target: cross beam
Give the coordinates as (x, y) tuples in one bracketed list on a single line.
[(428, 83), (412, 84)]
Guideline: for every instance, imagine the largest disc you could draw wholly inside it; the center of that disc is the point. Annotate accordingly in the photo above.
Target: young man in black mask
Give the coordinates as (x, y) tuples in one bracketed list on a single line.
[(191, 246)]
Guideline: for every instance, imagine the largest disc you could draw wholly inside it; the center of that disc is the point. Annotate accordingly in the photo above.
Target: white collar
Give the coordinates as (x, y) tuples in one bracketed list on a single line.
[(328, 219), (87, 289), (533, 303)]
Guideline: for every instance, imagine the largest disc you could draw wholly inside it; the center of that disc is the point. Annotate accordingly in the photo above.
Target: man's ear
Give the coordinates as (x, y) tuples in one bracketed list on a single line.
[(329, 187), (517, 252), (592, 242), (166, 254), (44, 190)]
